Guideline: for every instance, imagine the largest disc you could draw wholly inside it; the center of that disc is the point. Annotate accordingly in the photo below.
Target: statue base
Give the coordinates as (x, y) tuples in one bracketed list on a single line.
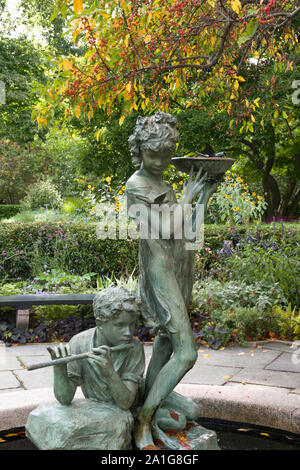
[(83, 425), (193, 437)]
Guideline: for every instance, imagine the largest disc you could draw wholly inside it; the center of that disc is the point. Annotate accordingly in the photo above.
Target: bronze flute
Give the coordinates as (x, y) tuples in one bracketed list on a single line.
[(75, 357)]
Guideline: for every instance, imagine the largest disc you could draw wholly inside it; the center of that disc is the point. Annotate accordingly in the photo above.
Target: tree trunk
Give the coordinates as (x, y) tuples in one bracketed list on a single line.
[(283, 206), (295, 204), (271, 194)]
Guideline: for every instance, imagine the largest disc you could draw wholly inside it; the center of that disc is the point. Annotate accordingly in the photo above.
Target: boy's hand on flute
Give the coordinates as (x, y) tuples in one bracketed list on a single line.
[(102, 357)]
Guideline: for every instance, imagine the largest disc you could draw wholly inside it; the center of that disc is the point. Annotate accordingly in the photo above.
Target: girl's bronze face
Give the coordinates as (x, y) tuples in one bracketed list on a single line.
[(155, 162)]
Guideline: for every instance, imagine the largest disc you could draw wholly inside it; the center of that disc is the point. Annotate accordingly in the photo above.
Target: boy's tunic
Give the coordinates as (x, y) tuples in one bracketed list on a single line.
[(128, 363)]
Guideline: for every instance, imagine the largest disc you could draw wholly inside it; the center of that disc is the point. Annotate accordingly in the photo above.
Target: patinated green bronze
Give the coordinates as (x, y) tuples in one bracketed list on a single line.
[(110, 373), (166, 270), (107, 362)]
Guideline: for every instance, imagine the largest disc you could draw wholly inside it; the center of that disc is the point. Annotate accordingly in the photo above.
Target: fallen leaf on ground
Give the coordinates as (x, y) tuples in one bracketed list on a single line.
[(241, 354), (226, 376), (265, 434)]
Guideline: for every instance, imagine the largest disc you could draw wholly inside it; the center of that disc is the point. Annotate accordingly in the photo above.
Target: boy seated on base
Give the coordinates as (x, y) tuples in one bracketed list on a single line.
[(109, 374)]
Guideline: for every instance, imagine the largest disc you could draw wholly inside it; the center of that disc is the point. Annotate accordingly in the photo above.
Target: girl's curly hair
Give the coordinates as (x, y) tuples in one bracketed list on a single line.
[(152, 133)]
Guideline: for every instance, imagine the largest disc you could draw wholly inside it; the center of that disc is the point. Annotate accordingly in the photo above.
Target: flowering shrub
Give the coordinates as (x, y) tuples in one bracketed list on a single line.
[(42, 194), (274, 259), (234, 202)]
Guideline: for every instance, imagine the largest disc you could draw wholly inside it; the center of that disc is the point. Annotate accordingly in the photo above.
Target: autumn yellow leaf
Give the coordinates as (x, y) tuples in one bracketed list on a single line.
[(78, 6), (66, 64), (77, 110), (105, 15), (236, 85), (75, 34), (121, 120), (98, 134), (236, 6), (177, 83), (126, 40), (147, 39)]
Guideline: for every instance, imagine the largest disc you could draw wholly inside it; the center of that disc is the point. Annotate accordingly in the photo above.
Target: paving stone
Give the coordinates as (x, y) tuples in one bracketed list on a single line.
[(288, 347), (39, 378), (209, 375), (286, 362), (8, 380), (34, 349), (267, 377), (9, 363), (237, 357)]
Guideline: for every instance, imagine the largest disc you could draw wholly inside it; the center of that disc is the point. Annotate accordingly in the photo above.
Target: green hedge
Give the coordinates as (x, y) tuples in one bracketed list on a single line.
[(29, 248), (9, 210)]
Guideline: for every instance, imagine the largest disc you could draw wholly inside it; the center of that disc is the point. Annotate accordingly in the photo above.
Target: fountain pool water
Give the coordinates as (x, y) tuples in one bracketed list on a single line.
[(231, 436)]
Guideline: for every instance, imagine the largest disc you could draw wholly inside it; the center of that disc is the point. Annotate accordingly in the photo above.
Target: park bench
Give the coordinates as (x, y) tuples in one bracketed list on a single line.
[(23, 303)]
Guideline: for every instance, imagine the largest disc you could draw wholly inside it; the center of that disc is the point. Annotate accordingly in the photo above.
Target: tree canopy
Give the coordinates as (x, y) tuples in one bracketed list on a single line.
[(20, 65), (151, 54)]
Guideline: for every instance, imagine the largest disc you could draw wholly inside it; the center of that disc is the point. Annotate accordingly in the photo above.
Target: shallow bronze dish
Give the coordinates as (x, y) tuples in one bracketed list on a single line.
[(213, 166)]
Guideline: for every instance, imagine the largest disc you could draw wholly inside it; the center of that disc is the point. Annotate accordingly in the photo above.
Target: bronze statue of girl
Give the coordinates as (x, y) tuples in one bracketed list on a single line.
[(166, 268)]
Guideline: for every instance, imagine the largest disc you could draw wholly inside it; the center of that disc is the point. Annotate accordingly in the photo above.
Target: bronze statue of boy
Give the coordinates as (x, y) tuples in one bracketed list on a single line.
[(110, 378)]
